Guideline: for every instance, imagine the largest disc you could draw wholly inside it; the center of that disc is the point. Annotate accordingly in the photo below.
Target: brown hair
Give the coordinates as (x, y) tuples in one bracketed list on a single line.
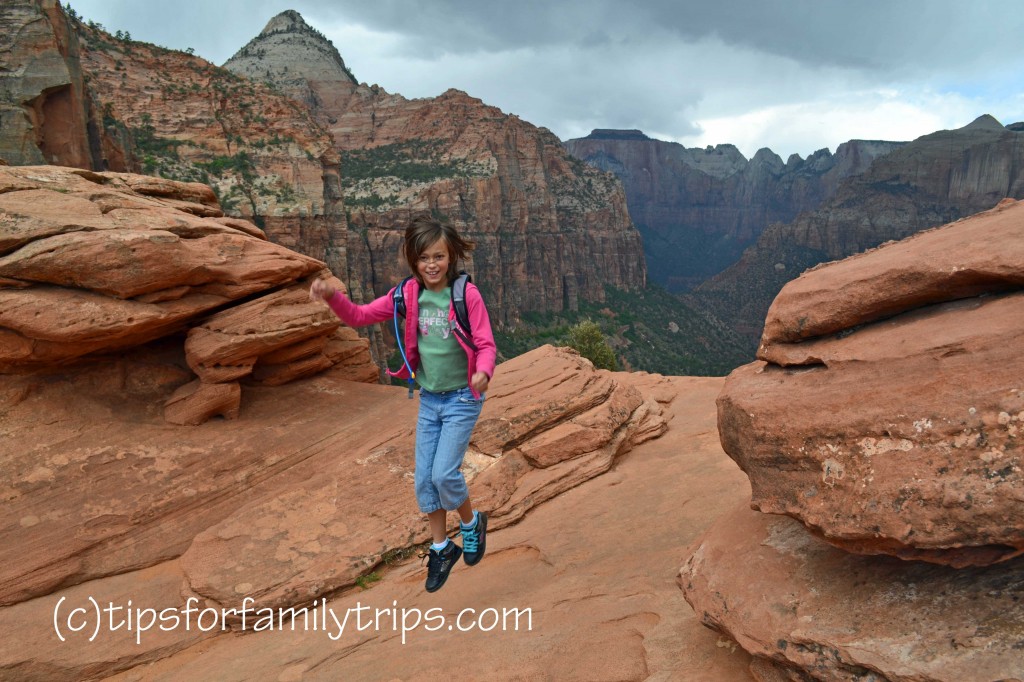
[(422, 232)]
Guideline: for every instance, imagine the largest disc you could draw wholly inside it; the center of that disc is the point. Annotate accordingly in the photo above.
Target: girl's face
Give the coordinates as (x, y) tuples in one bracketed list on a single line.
[(432, 265)]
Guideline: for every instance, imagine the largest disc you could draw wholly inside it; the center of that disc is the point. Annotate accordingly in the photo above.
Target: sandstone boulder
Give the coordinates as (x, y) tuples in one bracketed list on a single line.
[(78, 279), (101, 262), (896, 428), (978, 255), (809, 611)]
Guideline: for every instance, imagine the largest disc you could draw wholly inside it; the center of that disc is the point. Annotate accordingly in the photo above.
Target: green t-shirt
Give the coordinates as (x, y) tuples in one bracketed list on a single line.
[(443, 363)]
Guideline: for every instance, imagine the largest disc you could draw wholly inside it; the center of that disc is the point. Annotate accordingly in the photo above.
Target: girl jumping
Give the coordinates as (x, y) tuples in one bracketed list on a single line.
[(453, 367)]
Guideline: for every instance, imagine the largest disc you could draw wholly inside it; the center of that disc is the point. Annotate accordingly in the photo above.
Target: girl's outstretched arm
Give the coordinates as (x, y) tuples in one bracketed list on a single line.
[(351, 314)]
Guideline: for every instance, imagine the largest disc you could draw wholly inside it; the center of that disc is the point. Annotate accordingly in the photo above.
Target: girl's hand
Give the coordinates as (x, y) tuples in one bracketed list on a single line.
[(321, 291), (479, 382)]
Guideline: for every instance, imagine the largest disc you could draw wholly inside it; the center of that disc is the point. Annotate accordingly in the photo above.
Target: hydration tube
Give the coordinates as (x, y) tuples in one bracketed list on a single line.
[(398, 338)]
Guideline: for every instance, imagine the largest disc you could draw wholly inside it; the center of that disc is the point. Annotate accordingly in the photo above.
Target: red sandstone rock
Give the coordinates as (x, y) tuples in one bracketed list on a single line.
[(89, 265), (233, 341), (900, 436), (808, 611), (196, 402), (550, 422), (980, 254)]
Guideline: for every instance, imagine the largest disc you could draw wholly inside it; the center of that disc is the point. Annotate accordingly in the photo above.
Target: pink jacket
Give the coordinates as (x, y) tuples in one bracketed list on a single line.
[(383, 308)]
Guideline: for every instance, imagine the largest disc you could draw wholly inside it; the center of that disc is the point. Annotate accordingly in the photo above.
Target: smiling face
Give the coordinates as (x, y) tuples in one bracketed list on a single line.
[(432, 265)]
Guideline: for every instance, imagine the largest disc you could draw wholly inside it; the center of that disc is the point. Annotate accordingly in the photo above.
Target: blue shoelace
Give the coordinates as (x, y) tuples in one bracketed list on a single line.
[(471, 538)]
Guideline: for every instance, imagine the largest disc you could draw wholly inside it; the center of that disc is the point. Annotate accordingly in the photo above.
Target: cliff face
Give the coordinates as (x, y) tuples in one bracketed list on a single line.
[(698, 209), (78, 96), (263, 154), (549, 230), (933, 180), (46, 112)]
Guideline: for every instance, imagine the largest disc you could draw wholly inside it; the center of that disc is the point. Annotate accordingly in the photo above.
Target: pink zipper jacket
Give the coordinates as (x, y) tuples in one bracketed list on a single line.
[(383, 309)]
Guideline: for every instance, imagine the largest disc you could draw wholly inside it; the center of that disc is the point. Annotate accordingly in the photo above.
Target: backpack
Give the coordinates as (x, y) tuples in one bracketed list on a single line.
[(462, 328)]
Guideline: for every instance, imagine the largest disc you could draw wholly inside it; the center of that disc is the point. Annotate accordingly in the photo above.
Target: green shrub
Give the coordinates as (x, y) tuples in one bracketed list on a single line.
[(588, 339)]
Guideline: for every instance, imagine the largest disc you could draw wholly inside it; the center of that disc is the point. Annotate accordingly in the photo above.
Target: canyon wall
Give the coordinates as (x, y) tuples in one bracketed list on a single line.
[(550, 231), (931, 181), (698, 209)]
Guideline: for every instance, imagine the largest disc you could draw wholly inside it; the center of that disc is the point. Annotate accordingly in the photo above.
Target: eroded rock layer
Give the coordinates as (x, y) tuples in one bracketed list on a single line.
[(809, 611), (102, 262), (886, 410)]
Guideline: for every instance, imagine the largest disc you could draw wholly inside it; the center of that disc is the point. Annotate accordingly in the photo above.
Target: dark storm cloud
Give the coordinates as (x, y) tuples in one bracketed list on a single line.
[(868, 34)]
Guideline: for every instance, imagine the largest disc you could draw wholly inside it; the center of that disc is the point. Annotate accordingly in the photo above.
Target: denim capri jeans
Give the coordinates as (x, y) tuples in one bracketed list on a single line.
[(445, 424)]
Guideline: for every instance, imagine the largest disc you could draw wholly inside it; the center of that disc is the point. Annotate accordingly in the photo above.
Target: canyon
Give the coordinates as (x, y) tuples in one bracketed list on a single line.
[(933, 180), (698, 209)]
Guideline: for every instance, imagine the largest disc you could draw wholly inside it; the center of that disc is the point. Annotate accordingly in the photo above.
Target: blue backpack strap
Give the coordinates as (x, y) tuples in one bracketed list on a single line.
[(398, 300), (462, 327), (398, 296)]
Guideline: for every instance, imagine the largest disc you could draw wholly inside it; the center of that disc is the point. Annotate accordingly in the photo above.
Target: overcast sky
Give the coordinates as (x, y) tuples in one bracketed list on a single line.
[(794, 75)]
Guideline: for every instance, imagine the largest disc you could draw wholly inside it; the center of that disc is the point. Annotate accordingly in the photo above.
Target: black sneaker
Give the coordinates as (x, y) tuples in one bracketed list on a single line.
[(439, 565), (474, 541)]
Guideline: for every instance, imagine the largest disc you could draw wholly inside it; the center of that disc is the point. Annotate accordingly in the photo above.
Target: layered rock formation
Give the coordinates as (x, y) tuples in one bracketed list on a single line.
[(263, 154), (885, 415), (77, 96), (550, 231), (698, 209), (931, 181), (808, 611), (102, 262)]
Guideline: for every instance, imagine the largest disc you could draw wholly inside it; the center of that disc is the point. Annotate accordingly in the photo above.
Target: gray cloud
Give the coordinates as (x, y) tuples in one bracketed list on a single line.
[(867, 34)]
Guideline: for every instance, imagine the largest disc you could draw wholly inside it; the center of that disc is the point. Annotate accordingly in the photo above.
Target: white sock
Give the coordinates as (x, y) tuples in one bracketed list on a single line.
[(439, 547), (472, 524)]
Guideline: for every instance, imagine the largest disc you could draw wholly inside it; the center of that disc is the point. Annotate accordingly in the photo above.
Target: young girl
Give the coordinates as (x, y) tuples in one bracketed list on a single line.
[(452, 374)]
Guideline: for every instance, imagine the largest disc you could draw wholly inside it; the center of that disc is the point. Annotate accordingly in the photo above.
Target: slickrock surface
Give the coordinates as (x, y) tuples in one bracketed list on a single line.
[(896, 428), (550, 423), (809, 611), (311, 484)]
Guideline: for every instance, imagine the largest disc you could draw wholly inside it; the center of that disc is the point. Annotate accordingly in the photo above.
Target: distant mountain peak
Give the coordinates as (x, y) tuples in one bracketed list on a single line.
[(613, 134), (288, 20), (984, 122), (287, 51)]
